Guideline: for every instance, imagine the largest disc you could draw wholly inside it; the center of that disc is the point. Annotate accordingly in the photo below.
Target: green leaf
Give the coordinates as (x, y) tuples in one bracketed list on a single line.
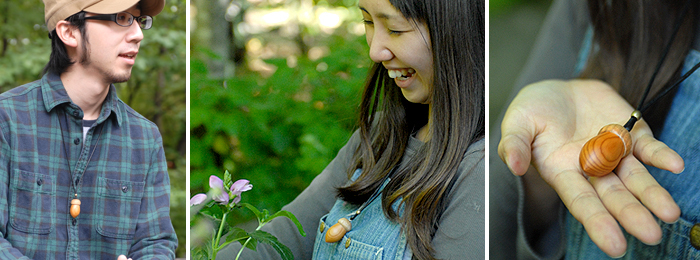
[(291, 217), (215, 211), (237, 234), (252, 244), (255, 211), (227, 180), (267, 238), (201, 252), (266, 215)]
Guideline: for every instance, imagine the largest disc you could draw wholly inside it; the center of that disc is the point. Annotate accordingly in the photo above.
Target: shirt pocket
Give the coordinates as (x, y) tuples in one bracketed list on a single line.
[(33, 202), (347, 248), (118, 204), (321, 250)]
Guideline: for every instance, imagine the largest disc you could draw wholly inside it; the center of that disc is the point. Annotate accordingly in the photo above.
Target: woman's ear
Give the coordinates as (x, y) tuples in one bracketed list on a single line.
[(68, 33)]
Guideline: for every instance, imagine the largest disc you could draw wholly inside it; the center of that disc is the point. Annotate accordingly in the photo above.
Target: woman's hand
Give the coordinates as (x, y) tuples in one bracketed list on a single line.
[(547, 124)]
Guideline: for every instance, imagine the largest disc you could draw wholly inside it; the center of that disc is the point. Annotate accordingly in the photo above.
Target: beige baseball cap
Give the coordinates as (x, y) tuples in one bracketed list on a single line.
[(56, 10)]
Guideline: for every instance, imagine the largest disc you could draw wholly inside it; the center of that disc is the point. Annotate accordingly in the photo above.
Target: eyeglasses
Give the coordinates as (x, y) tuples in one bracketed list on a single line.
[(125, 19)]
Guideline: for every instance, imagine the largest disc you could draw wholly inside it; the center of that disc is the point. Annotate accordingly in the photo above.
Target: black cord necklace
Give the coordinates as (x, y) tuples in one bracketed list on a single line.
[(600, 155), (338, 230), (75, 202)]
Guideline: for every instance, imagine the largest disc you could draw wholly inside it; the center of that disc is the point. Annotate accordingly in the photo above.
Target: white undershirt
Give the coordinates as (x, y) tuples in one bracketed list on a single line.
[(87, 124)]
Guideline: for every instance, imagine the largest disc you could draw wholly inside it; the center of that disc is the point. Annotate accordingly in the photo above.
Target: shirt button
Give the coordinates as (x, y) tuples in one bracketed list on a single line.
[(74, 222), (695, 236), (76, 113), (323, 227), (76, 141), (39, 181), (125, 189)]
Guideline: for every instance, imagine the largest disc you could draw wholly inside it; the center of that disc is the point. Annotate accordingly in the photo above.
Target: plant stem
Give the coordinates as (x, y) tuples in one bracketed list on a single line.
[(215, 246), (244, 244)]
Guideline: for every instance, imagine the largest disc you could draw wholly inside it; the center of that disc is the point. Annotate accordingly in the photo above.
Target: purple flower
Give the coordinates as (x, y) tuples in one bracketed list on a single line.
[(198, 199), (238, 187), (219, 193)]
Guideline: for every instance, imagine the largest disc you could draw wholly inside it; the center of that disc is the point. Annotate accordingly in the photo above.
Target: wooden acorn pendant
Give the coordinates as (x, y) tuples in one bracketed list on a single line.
[(75, 208), (600, 155), (337, 231)]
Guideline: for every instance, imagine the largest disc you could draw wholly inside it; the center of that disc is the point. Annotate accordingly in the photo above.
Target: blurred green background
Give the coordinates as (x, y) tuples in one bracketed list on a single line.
[(156, 88), (513, 26), (275, 88)]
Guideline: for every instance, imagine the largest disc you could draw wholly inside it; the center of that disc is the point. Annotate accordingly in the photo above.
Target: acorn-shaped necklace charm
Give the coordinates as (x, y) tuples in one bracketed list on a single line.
[(75, 207), (601, 155), (337, 231)]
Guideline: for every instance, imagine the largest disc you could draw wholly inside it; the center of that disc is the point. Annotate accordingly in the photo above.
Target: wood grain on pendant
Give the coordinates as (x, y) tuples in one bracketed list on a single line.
[(601, 155), (75, 208), (337, 231)]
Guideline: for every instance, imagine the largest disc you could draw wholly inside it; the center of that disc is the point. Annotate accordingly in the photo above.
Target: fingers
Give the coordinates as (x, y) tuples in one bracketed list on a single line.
[(653, 152), (584, 204), (121, 257), (616, 199), (515, 146), (639, 182), (624, 207), (515, 152)]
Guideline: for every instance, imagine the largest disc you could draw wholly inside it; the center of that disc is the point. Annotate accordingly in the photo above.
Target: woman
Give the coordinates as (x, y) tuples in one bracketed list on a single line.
[(419, 148), (618, 44)]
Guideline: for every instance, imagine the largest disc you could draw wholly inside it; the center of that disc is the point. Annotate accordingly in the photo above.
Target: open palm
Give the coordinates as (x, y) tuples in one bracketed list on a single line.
[(548, 123)]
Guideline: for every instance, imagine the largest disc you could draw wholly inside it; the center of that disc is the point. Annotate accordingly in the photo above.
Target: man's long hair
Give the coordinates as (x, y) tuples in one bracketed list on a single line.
[(59, 61)]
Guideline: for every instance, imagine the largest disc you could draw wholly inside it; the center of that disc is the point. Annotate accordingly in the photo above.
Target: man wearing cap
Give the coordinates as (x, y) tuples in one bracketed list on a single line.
[(82, 175)]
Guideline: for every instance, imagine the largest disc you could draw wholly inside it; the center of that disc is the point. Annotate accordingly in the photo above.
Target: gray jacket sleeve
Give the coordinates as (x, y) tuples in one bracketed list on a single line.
[(461, 230), (314, 202), (460, 234), (554, 56)]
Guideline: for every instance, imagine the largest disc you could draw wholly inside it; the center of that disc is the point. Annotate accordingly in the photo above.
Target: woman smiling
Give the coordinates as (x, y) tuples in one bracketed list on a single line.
[(410, 182)]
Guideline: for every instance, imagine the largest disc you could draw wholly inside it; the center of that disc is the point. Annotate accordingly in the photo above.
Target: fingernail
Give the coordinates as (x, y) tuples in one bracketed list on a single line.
[(510, 169), (509, 163), (655, 243), (679, 172), (672, 222), (621, 256)]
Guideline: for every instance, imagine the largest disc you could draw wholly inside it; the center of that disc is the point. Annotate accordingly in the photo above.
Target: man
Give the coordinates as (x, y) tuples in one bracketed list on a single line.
[(82, 175)]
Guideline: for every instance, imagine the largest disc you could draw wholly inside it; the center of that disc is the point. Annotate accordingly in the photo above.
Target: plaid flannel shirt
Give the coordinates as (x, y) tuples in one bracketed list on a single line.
[(123, 186)]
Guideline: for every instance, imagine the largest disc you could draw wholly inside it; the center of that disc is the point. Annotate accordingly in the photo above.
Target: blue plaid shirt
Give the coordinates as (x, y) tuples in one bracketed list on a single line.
[(119, 168)]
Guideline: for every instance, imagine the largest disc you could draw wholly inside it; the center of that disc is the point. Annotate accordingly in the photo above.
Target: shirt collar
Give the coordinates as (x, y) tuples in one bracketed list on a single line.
[(55, 94)]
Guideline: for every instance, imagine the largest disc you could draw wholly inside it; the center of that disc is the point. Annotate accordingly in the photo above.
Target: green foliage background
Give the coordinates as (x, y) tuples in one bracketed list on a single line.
[(156, 88), (278, 128)]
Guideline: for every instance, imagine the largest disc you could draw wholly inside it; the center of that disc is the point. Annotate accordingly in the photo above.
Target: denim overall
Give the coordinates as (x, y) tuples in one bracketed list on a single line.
[(372, 236), (681, 132)]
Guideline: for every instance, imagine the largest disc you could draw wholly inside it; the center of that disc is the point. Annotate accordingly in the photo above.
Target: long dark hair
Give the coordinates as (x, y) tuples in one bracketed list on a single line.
[(59, 61), (456, 30), (629, 38)]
